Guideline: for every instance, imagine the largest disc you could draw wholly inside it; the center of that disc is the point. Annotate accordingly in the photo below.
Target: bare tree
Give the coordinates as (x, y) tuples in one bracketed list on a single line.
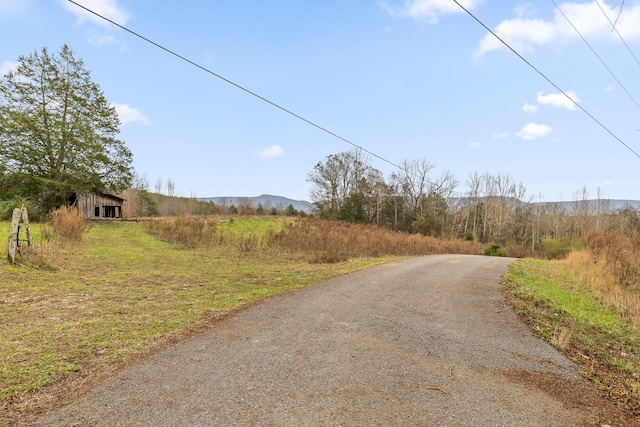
[(338, 179), (158, 186)]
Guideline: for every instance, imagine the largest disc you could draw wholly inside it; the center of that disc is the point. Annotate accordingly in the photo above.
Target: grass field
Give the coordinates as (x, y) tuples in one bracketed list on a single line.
[(121, 292)]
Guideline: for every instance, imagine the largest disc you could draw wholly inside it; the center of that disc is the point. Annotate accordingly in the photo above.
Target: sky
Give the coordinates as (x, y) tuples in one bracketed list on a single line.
[(403, 79)]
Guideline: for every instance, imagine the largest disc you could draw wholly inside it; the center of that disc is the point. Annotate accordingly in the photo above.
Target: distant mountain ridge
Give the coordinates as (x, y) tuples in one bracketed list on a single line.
[(569, 206), (613, 205), (267, 201)]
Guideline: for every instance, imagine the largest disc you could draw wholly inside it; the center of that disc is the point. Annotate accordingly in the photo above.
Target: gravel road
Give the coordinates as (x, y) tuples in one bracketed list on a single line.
[(424, 341)]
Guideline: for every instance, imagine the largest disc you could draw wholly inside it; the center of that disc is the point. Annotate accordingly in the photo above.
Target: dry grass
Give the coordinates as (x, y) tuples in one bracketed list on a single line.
[(318, 240), (335, 241), (67, 223), (610, 266)]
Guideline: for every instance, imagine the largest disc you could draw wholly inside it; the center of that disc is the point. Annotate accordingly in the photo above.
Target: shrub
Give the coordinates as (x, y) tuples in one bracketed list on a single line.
[(555, 248), (67, 223), (494, 250), (7, 207)]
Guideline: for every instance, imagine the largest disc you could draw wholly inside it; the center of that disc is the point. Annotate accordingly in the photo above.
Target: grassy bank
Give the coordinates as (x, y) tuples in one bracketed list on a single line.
[(559, 301)]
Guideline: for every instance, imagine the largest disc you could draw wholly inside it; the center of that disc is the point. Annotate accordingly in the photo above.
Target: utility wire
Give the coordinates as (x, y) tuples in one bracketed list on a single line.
[(546, 78), (595, 53), (614, 28), (242, 88)]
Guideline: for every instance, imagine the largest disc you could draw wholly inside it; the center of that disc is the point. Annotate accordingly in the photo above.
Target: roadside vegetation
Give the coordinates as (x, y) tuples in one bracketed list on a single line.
[(588, 306)]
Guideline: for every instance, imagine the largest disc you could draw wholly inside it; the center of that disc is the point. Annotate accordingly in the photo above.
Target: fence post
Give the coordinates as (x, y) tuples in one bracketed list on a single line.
[(14, 236)]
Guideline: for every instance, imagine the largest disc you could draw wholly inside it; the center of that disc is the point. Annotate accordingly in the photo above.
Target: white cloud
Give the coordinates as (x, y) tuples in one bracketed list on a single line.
[(107, 8), (559, 99), (526, 9), (529, 108), (475, 145), (271, 152), (7, 66), (500, 135), (428, 10), (526, 34), (532, 131), (129, 114)]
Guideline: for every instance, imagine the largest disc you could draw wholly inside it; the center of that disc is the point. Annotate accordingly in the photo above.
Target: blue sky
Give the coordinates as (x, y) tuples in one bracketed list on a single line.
[(404, 79)]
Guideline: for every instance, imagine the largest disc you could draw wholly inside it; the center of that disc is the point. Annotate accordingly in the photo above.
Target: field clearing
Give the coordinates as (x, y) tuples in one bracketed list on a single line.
[(120, 293)]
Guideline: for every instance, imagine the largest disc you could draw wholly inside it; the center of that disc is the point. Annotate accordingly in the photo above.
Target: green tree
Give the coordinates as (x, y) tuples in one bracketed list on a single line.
[(352, 209), (290, 211), (58, 131)]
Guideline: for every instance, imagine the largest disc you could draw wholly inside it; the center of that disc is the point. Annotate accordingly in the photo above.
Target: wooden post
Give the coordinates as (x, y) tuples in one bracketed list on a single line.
[(14, 236), (25, 221)]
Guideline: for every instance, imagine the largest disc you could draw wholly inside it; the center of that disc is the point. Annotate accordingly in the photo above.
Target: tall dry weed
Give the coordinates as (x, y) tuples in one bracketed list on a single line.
[(68, 223), (335, 241), (191, 231), (610, 266)]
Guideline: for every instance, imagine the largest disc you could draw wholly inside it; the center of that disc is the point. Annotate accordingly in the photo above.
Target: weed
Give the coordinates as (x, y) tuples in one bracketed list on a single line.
[(68, 223)]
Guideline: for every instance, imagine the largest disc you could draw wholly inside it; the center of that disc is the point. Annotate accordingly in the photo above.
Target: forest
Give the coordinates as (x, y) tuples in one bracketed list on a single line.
[(492, 208)]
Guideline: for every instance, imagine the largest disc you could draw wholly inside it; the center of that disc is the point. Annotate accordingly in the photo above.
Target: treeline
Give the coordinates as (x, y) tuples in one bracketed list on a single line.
[(140, 202), (493, 208)]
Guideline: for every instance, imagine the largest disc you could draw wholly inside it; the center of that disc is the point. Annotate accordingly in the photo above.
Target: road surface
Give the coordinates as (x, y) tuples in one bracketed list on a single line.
[(424, 341)]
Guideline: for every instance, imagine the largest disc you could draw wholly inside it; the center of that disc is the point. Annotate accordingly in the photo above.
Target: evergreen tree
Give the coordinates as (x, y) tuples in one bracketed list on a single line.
[(58, 131)]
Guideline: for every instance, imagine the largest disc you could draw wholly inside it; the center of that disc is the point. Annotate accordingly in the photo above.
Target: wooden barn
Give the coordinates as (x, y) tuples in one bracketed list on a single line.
[(99, 205)]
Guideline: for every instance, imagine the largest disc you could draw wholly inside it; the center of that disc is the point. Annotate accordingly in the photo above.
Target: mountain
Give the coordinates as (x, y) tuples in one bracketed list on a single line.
[(569, 207), (611, 205), (266, 200)]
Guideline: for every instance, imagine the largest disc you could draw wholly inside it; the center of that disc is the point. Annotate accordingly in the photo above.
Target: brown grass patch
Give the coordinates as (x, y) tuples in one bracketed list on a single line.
[(67, 223)]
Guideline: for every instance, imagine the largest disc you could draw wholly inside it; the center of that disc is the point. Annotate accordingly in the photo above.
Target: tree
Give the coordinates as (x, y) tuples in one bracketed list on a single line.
[(352, 209), (340, 176), (58, 131), (290, 211)]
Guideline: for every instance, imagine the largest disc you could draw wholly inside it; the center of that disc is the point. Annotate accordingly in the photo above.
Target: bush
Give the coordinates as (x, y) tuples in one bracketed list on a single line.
[(7, 207), (67, 223), (555, 248), (494, 250)]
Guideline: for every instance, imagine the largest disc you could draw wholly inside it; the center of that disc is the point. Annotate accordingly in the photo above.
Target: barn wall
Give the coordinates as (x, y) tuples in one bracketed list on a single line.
[(86, 204)]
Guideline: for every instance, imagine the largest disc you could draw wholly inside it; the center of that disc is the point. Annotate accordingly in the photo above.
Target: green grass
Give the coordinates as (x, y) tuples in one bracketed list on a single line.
[(552, 299), (121, 292)]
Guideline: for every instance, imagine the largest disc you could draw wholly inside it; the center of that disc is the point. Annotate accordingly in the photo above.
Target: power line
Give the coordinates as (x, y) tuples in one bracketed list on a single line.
[(399, 167), (595, 53), (239, 86), (613, 25), (547, 79)]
